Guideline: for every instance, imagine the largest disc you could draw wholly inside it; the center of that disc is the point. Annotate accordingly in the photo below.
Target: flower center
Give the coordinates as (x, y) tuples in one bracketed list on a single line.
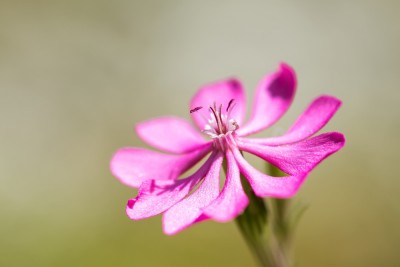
[(220, 126)]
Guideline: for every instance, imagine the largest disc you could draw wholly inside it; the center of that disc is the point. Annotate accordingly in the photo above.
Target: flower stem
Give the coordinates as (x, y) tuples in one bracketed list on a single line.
[(252, 225), (283, 220), (268, 229), (252, 222), (280, 237), (281, 226), (265, 229)]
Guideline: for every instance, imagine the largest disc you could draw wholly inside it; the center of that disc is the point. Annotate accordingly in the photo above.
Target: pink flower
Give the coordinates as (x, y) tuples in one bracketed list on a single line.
[(218, 110)]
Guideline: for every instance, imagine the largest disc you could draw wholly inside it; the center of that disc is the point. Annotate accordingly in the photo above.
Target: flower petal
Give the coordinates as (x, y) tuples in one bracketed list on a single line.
[(189, 211), (268, 186), (170, 134), (233, 200), (219, 93), (297, 158), (273, 97), (134, 165), (310, 122), (156, 196)]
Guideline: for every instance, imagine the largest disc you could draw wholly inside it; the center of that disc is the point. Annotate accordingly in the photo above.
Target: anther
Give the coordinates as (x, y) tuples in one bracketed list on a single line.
[(229, 104), (195, 109)]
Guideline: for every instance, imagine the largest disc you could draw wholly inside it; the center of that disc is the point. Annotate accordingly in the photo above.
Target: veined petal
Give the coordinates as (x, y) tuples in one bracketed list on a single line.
[(132, 166), (297, 158), (316, 116), (219, 93), (170, 134), (268, 186), (156, 196), (232, 200), (189, 210), (273, 97)]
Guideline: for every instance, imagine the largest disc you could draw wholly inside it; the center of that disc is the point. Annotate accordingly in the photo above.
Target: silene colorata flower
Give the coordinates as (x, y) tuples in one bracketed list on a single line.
[(218, 111)]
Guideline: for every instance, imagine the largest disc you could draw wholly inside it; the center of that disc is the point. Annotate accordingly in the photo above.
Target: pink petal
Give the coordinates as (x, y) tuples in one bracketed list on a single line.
[(188, 211), (135, 165), (267, 186), (156, 196), (273, 97), (219, 93), (233, 200), (310, 122), (170, 134), (297, 158)]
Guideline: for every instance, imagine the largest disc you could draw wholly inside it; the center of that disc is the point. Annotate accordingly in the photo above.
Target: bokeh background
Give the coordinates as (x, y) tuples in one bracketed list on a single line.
[(75, 76)]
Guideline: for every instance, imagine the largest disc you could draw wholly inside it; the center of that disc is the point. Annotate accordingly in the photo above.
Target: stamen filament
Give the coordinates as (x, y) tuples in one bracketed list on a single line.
[(220, 126), (220, 119)]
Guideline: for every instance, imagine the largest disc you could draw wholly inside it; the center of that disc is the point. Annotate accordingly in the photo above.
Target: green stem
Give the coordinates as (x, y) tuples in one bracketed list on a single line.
[(280, 233), (280, 227), (252, 224), (268, 229)]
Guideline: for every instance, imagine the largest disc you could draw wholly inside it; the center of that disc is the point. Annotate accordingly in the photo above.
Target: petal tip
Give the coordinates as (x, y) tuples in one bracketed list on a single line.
[(168, 229), (117, 165), (329, 98), (234, 83), (138, 129), (283, 83), (131, 203), (285, 66), (339, 138), (286, 69), (129, 209), (336, 137)]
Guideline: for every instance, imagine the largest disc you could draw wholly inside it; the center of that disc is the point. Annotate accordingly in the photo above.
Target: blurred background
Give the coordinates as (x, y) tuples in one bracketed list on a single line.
[(75, 76)]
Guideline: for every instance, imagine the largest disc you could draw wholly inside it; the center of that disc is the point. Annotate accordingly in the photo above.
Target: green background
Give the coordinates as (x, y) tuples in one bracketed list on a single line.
[(75, 76)]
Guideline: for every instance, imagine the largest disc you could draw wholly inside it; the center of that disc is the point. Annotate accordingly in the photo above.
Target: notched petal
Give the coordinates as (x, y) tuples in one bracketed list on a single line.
[(156, 196), (220, 93), (316, 116), (189, 210), (170, 134), (132, 166), (264, 185), (298, 158), (273, 97), (232, 200)]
